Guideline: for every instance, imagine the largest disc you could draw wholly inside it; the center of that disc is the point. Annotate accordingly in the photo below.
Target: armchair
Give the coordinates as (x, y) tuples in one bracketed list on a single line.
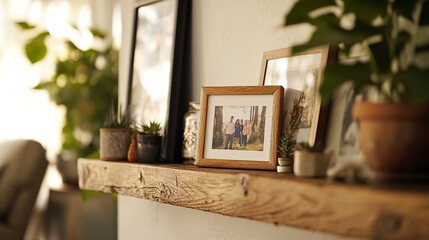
[(22, 168)]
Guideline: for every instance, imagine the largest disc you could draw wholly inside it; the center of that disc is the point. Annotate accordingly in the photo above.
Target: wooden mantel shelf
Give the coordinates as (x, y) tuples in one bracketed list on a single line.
[(339, 208)]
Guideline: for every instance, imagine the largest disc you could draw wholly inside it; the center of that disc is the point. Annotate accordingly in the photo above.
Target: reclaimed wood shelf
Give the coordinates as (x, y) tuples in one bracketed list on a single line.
[(400, 212)]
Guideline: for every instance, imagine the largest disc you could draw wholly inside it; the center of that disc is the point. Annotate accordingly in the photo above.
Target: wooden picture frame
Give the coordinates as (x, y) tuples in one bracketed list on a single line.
[(259, 108), (300, 74), (156, 82)]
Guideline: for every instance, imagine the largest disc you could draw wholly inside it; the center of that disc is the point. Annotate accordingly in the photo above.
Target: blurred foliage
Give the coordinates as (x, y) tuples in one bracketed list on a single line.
[(84, 82), (392, 35)]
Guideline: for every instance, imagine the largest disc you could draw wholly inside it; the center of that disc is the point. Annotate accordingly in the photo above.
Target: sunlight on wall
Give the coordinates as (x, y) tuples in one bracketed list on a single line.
[(35, 12), (117, 26), (25, 113), (2, 27)]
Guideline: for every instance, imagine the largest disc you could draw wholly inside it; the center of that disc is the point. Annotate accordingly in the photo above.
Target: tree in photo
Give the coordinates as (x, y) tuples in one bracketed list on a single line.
[(218, 127)]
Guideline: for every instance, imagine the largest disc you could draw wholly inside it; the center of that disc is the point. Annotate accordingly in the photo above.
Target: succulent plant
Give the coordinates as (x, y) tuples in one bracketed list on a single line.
[(152, 129), (118, 119), (286, 146)]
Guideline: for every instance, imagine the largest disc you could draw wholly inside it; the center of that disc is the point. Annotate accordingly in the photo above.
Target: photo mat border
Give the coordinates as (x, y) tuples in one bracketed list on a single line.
[(242, 91)]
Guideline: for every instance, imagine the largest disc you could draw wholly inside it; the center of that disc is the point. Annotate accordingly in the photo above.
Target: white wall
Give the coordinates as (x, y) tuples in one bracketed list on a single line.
[(228, 40), (143, 219)]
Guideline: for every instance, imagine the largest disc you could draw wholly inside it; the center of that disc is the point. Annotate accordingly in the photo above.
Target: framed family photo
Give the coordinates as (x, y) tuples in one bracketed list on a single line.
[(239, 127), (300, 74)]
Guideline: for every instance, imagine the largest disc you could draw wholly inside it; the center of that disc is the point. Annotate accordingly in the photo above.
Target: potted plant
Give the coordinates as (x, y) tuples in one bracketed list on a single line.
[(394, 129), (311, 161), (115, 136), (78, 82), (286, 150), (149, 142), (287, 142)]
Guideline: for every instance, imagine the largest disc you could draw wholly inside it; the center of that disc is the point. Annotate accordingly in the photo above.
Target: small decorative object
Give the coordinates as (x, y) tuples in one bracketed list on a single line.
[(132, 151), (311, 161), (286, 151), (190, 132), (239, 127), (115, 136), (390, 35), (149, 142)]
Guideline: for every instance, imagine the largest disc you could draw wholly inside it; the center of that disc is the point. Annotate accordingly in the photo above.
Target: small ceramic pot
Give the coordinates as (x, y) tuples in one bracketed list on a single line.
[(282, 161), (149, 148), (311, 164), (114, 143)]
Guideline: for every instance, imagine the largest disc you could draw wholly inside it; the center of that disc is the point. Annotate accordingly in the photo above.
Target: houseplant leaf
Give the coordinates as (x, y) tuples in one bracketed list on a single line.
[(25, 25), (404, 8), (337, 74), (424, 17), (35, 49), (416, 85), (401, 41), (381, 56), (366, 10)]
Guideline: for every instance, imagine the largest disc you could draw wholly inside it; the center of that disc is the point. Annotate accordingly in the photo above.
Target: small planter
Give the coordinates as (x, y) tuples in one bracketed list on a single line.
[(285, 165), (149, 148), (114, 143), (282, 161), (394, 139), (311, 164)]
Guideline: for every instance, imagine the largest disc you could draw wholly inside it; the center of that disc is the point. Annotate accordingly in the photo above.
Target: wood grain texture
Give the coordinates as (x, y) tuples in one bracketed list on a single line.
[(343, 209)]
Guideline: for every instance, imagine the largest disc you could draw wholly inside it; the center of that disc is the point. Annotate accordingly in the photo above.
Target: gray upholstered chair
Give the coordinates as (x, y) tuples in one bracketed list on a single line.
[(22, 168)]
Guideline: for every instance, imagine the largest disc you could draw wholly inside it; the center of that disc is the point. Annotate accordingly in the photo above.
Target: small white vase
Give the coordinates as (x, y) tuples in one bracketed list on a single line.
[(311, 164)]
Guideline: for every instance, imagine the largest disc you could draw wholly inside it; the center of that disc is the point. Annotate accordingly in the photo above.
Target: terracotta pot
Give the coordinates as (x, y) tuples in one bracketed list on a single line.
[(311, 164), (114, 143), (394, 138), (149, 148)]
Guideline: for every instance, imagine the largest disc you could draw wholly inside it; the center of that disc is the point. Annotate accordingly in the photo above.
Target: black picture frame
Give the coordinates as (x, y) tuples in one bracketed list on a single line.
[(177, 91)]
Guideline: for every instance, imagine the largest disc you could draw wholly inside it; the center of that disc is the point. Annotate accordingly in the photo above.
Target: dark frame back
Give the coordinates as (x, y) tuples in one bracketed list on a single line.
[(178, 95)]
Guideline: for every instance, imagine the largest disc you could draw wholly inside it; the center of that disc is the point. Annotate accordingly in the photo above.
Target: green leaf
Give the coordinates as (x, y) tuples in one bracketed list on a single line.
[(416, 85), (35, 49), (381, 56), (330, 33), (401, 40), (98, 33), (424, 16), (44, 86), (423, 48), (301, 9), (366, 10), (337, 74), (404, 8), (25, 25)]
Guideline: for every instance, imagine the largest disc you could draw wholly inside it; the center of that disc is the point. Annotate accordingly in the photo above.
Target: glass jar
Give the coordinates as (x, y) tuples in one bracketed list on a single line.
[(190, 132)]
